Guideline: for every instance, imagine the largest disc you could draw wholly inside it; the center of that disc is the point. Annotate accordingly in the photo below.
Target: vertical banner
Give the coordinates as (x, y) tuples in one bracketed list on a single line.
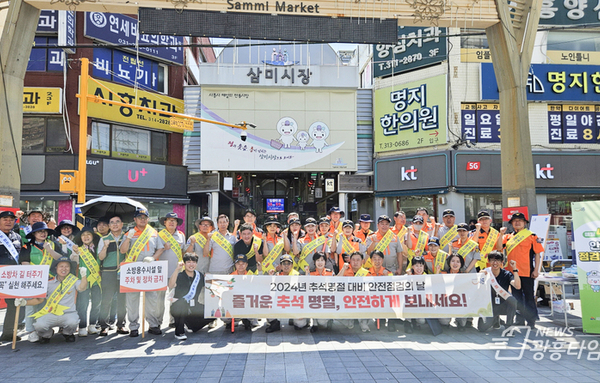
[(586, 235)]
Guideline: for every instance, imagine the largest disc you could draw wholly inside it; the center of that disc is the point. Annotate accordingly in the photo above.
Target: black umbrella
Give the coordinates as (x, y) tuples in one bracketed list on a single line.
[(111, 205)]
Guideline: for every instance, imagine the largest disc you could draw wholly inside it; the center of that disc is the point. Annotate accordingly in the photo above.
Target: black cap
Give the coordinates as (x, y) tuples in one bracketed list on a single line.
[(272, 220), (383, 218), (241, 258), (462, 226), (140, 211), (417, 218), (294, 220), (365, 218), (324, 220), (310, 221), (423, 209), (336, 209), (348, 223), (448, 212), (518, 215), (483, 214), (8, 213), (434, 241), (286, 258), (251, 211), (170, 215)]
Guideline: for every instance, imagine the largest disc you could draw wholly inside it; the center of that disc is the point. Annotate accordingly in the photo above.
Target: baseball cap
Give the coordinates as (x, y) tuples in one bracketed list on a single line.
[(141, 211), (295, 220), (365, 218), (310, 221), (324, 220), (336, 209), (448, 212), (417, 218), (348, 223), (434, 241), (462, 226), (518, 215), (241, 258), (286, 258), (384, 218), (7, 213), (483, 214), (251, 211)]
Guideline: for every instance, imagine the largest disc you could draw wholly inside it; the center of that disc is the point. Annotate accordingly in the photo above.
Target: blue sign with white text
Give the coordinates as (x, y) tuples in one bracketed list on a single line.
[(550, 82), (123, 30), (125, 68)]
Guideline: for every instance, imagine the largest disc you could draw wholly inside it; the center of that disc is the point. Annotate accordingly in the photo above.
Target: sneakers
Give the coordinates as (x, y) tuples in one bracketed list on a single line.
[(181, 337), (44, 340), (364, 327), (103, 332), (408, 328), (83, 332), (69, 338), (154, 331), (134, 333), (273, 326), (121, 330), (92, 329), (34, 337), (247, 324)]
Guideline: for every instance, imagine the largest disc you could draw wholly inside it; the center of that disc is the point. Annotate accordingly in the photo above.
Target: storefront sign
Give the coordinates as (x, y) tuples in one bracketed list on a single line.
[(429, 171), (550, 82), (586, 235), (573, 124), (143, 276), (422, 296), (480, 122), (569, 12), (124, 68), (416, 47), (42, 100), (48, 21), (571, 57), (42, 59), (129, 115), (24, 281), (475, 55), (295, 129), (410, 115), (114, 28), (130, 174), (551, 170)]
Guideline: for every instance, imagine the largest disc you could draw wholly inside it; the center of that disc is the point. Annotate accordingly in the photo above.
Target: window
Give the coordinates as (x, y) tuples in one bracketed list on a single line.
[(162, 85), (131, 143), (43, 135), (101, 138)]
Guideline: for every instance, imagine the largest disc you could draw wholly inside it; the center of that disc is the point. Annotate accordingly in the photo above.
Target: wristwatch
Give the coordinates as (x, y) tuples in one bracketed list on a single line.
[(515, 271)]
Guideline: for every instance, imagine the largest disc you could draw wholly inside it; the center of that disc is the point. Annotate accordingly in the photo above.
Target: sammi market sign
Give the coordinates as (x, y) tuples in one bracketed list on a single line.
[(277, 7)]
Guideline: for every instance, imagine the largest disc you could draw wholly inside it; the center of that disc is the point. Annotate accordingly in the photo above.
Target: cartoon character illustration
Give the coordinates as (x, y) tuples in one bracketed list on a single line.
[(302, 138), (593, 279), (318, 131), (287, 127)]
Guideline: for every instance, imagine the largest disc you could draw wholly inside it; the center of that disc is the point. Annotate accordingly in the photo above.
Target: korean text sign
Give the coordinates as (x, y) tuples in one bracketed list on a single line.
[(550, 82), (410, 115), (142, 276), (430, 296), (133, 116), (29, 281), (416, 47)]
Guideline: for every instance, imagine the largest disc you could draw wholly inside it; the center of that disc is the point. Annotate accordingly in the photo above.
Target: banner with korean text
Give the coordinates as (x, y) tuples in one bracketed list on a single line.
[(586, 234), (143, 276), (410, 115), (422, 296), (29, 281)]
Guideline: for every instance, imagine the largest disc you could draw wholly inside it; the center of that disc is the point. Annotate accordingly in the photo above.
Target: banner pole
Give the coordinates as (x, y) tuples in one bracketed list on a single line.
[(143, 314), (16, 328)]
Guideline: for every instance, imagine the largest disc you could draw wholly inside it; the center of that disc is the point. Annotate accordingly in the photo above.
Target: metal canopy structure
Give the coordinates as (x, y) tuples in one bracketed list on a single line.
[(510, 26)]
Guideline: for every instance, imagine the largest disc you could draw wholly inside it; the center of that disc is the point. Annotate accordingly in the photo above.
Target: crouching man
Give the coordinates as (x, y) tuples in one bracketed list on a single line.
[(503, 303), (59, 310), (187, 308)]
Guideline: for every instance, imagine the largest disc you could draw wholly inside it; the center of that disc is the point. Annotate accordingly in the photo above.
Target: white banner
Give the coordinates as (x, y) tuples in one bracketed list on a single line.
[(24, 281), (423, 296), (142, 276)]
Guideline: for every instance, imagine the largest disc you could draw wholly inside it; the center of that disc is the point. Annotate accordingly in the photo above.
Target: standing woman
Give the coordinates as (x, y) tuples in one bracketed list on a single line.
[(273, 244), (68, 230), (86, 253), (319, 260), (38, 251), (291, 244), (377, 270)]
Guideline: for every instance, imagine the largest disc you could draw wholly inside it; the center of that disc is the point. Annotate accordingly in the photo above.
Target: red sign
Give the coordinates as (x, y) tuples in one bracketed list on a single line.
[(473, 165), (235, 192), (507, 212)]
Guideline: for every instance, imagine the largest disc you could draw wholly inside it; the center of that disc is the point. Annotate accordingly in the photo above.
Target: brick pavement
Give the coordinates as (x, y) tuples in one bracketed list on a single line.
[(342, 355)]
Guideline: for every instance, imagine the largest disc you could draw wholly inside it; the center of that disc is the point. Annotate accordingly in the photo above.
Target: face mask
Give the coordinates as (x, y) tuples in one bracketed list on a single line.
[(418, 227)]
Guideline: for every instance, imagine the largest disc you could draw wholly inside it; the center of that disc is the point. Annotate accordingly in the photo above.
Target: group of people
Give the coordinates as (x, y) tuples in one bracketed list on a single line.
[(85, 264)]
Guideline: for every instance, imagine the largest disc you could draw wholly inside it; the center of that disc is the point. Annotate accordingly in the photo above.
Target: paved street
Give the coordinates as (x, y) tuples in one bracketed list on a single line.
[(216, 355)]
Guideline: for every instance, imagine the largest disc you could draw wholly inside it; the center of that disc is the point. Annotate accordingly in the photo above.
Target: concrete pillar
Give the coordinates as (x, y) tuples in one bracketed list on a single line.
[(454, 201), (213, 205), (15, 46), (343, 203)]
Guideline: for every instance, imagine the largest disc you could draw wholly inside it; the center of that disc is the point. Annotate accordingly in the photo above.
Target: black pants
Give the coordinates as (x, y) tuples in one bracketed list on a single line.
[(527, 305), (9, 319), (506, 307), (192, 317), (110, 289)]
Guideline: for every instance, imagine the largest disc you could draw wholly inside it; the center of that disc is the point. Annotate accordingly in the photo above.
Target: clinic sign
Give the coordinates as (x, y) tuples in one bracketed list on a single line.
[(416, 47), (125, 68), (411, 115), (550, 82), (132, 116), (42, 100), (117, 29)]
